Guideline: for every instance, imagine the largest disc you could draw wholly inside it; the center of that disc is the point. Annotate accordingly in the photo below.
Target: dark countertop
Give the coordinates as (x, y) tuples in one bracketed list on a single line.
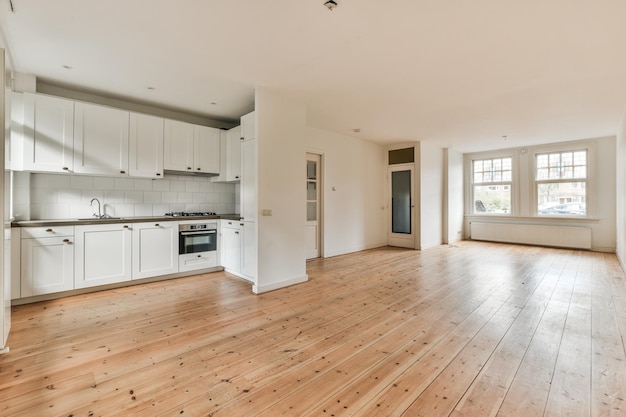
[(79, 222)]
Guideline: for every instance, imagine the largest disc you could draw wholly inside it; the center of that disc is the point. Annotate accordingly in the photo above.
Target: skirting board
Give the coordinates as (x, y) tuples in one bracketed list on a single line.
[(259, 289)]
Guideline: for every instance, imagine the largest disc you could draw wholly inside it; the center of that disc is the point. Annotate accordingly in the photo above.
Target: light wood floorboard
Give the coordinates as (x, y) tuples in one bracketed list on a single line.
[(472, 329)]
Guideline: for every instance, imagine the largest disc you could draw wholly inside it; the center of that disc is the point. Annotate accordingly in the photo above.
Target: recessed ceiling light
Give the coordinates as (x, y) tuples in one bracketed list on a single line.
[(67, 67), (330, 4), (151, 88), (357, 130), (213, 103)]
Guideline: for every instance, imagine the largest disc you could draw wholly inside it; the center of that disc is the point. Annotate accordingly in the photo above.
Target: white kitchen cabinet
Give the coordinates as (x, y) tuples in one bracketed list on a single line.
[(249, 251), (46, 140), (100, 140), (230, 156), (178, 140), (47, 265), (231, 245), (191, 148), (145, 152), (102, 254), (155, 249), (206, 155), (248, 126), (248, 188)]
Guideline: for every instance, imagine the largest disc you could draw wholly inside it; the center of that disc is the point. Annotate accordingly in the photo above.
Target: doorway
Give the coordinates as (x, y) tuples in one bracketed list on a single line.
[(313, 227), (402, 201)]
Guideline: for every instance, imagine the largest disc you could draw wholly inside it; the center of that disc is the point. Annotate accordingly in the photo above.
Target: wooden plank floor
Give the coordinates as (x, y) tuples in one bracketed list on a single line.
[(472, 329)]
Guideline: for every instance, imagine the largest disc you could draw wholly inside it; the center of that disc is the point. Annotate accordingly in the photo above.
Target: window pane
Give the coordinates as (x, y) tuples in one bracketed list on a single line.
[(542, 161), (542, 174), (492, 199), (478, 177), (562, 165), (478, 166), (492, 170), (562, 198)]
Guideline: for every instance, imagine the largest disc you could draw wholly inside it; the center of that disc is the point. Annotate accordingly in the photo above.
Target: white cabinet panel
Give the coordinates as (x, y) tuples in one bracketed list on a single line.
[(233, 154), (248, 126), (103, 254), (206, 156), (155, 249), (100, 140), (145, 153), (47, 265), (178, 154), (231, 246), (248, 187), (47, 134), (193, 261), (249, 251)]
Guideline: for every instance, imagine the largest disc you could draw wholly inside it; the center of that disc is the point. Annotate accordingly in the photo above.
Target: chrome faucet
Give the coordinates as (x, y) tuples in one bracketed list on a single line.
[(91, 204)]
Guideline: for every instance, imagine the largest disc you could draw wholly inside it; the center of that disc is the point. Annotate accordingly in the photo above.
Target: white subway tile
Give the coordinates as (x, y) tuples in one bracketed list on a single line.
[(58, 211), (169, 197), (143, 184), (185, 198), (143, 210), (124, 184), (160, 209), (81, 211), (39, 181), (213, 198), (21, 179), (113, 197), (161, 185), (80, 182), (219, 187), (177, 186), (70, 196), (207, 187), (59, 181), (37, 211), (44, 196), (152, 197), (104, 183), (200, 198), (177, 207), (123, 210), (192, 187), (88, 195)]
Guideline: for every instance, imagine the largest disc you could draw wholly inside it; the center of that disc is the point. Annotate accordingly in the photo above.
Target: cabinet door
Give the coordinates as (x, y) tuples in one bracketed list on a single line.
[(249, 251), (103, 254), (233, 162), (48, 133), (155, 249), (47, 265), (248, 126), (248, 187), (206, 155), (145, 153), (231, 248), (100, 140), (178, 149)]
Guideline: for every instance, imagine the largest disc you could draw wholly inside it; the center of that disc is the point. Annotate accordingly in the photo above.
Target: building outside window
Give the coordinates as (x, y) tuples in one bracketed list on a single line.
[(491, 185), (561, 183)]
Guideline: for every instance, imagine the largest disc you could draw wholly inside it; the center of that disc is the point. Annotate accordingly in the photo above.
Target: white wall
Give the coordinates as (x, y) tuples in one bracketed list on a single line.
[(431, 195), (60, 196), (453, 197), (282, 189), (354, 173), (620, 193)]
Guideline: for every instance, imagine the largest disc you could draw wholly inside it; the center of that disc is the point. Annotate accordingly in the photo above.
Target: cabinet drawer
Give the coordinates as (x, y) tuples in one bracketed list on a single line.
[(231, 224), (193, 261), (52, 231)]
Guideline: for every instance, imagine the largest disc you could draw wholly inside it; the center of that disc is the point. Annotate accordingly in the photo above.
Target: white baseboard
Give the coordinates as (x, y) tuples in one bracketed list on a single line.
[(259, 289)]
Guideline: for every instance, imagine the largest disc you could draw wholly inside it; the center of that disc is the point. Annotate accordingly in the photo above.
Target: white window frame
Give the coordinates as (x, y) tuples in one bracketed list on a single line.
[(513, 184), (589, 187)]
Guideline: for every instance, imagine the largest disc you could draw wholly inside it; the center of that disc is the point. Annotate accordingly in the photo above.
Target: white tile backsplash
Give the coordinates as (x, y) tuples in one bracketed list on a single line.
[(62, 196)]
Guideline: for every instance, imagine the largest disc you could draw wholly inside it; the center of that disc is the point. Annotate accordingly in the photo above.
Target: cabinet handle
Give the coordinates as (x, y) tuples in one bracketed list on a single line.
[(157, 225), (199, 169), (240, 224), (125, 226), (158, 174), (188, 167), (122, 172), (230, 222), (49, 230), (199, 256), (236, 177), (241, 138), (237, 232), (66, 169), (66, 241)]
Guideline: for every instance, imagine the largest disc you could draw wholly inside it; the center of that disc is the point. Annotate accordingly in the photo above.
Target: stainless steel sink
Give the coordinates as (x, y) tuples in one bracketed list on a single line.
[(100, 218)]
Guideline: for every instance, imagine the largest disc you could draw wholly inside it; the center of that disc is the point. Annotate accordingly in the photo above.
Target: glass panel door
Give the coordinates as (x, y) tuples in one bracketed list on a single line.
[(401, 202)]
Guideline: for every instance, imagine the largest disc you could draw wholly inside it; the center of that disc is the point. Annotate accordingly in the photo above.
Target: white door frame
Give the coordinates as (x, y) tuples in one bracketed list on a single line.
[(403, 240), (318, 252)]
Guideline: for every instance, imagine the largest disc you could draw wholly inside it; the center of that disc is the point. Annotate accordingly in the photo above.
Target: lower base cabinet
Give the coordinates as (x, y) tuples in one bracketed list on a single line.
[(103, 254), (155, 249), (193, 261), (47, 265), (231, 246)]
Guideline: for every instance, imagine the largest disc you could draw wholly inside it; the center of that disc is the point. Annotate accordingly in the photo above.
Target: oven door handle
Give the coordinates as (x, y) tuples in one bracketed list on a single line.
[(199, 232)]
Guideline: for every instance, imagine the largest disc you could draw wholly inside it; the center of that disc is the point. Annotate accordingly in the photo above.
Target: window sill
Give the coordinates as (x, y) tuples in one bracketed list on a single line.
[(536, 219)]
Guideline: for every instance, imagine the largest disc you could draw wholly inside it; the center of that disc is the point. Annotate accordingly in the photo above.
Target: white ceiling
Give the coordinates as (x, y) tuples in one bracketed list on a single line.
[(461, 74)]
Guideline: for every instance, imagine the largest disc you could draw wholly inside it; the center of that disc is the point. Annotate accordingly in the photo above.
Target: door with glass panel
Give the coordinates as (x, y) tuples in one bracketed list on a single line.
[(313, 206), (402, 204)]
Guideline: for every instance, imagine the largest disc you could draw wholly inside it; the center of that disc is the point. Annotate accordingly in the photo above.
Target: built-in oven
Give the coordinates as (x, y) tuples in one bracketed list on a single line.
[(197, 245), (197, 237)]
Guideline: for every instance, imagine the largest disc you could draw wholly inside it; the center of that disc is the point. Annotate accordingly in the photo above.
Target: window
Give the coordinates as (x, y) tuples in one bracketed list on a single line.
[(491, 185), (561, 183)]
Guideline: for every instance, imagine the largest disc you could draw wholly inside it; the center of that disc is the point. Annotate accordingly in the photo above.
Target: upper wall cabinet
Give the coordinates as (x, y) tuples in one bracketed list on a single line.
[(47, 134), (145, 151), (248, 126), (100, 140), (191, 148), (230, 156)]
